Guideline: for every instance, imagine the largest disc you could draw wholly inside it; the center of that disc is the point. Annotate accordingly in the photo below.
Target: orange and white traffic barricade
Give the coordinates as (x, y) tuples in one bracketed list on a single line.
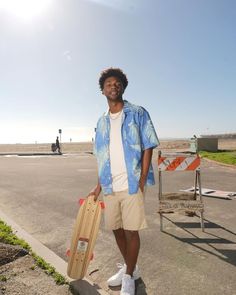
[(175, 163)]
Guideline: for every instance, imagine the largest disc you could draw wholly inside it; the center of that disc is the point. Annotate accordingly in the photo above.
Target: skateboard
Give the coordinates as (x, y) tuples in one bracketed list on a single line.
[(84, 236)]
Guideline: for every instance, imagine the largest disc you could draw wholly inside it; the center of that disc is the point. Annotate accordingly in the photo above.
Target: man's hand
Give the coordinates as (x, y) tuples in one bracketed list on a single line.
[(146, 161), (142, 183), (95, 192)]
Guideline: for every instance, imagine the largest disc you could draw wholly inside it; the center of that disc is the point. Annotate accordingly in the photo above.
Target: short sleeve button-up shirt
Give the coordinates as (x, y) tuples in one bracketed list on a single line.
[(138, 134)]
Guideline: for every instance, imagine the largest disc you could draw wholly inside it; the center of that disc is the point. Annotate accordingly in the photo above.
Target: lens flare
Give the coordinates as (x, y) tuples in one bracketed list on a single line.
[(24, 9)]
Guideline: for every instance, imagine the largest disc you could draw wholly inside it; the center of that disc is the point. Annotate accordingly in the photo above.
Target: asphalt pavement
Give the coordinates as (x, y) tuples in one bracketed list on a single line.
[(40, 193)]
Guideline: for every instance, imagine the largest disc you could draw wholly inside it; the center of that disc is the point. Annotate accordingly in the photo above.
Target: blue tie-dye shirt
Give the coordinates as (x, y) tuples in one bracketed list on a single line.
[(138, 134)]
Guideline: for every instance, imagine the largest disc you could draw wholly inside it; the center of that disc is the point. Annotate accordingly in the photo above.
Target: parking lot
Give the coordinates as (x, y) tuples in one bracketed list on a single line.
[(41, 193)]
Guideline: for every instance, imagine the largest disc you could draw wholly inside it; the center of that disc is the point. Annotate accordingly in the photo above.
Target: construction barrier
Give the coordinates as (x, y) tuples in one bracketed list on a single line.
[(178, 163), (174, 163)]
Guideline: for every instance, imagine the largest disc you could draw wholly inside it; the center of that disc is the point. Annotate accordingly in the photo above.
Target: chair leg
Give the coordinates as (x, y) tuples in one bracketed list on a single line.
[(161, 222), (202, 221)]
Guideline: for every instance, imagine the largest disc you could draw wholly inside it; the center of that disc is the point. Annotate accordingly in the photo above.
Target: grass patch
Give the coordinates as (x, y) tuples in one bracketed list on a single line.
[(221, 156), (3, 278), (8, 237), (50, 270)]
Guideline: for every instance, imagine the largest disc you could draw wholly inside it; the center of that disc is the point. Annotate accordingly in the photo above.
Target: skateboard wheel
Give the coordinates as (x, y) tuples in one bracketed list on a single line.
[(81, 201), (68, 252), (102, 205)]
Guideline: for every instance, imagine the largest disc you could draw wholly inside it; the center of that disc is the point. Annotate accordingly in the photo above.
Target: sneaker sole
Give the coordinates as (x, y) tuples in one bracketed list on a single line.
[(111, 285)]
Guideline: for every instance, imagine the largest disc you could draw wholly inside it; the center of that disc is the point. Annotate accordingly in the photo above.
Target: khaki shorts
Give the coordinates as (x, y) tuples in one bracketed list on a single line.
[(124, 211)]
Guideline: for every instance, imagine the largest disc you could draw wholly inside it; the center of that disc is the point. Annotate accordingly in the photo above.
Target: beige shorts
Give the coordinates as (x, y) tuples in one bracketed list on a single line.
[(124, 211)]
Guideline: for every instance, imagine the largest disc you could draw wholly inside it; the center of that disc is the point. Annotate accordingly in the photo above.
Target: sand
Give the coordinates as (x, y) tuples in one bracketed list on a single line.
[(77, 147)]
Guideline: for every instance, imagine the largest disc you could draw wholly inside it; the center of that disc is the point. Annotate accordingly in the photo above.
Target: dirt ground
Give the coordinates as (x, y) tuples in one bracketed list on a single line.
[(19, 275)]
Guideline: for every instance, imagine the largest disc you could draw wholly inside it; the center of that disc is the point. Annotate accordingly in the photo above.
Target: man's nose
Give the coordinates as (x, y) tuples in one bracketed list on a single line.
[(114, 85)]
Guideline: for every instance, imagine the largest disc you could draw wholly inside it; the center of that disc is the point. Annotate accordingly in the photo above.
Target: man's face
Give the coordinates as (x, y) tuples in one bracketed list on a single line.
[(113, 88)]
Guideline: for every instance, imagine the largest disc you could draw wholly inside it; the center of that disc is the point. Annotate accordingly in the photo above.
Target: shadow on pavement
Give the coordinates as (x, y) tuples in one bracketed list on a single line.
[(83, 287), (227, 255), (140, 287)]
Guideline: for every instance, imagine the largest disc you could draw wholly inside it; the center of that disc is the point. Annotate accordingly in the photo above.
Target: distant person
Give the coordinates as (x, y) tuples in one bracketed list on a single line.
[(124, 141), (58, 145)]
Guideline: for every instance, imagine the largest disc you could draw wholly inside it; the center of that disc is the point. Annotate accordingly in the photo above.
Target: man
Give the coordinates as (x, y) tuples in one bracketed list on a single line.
[(125, 138), (58, 145)]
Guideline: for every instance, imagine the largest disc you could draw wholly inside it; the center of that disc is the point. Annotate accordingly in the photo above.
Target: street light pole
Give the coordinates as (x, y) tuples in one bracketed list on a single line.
[(60, 132)]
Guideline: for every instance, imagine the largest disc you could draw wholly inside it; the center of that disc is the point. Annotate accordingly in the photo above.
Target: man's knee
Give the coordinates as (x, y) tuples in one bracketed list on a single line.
[(119, 233), (131, 234)]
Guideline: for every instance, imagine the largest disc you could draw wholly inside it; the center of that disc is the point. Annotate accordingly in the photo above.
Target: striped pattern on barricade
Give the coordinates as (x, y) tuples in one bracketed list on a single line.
[(178, 163)]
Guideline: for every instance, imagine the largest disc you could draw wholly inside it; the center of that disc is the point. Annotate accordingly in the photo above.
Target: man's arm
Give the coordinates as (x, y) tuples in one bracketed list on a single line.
[(146, 161), (96, 191)]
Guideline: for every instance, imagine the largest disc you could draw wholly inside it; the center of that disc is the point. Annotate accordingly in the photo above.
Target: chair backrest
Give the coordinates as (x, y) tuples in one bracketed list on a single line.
[(178, 162)]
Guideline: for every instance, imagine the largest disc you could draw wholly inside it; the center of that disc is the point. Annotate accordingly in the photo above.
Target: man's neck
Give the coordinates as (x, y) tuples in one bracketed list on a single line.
[(115, 106)]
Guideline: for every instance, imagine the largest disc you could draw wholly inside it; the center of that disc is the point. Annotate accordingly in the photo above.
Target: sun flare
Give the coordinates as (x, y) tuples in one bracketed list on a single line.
[(25, 9)]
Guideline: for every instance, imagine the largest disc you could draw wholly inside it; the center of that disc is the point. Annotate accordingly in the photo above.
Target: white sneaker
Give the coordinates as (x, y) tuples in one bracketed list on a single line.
[(128, 285), (116, 279)]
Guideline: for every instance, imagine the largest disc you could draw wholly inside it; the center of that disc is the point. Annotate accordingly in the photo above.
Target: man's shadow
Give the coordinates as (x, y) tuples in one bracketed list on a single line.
[(227, 255), (85, 288)]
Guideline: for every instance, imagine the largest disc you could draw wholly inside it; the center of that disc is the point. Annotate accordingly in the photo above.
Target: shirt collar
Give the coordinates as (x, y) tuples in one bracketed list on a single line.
[(126, 108)]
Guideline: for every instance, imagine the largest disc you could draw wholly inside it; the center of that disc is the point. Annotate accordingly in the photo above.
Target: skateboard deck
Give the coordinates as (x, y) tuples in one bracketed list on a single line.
[(84, 237)]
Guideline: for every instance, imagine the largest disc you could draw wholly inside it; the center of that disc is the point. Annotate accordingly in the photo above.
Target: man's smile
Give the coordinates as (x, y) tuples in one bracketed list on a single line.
[(114, 92)]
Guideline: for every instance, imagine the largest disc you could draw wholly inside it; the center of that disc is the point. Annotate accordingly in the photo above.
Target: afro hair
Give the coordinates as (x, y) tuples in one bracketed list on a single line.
[(113, 72)]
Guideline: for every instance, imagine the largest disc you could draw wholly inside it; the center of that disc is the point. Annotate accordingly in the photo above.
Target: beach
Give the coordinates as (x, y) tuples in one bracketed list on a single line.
[(180, 145)]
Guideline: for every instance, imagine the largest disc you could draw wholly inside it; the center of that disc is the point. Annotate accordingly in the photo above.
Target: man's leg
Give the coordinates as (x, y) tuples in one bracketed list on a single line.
[(121, 241), (129, 244), (132, 250)]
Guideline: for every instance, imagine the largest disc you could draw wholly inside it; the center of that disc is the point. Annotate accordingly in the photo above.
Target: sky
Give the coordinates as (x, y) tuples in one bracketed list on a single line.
[(179, 57)]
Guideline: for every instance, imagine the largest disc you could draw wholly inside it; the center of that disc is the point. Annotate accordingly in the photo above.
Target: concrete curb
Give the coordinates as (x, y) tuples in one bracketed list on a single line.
[(79, 287)]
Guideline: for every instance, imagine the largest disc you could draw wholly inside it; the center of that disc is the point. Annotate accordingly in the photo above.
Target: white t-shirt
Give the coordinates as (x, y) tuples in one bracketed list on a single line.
[(118, 167)]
